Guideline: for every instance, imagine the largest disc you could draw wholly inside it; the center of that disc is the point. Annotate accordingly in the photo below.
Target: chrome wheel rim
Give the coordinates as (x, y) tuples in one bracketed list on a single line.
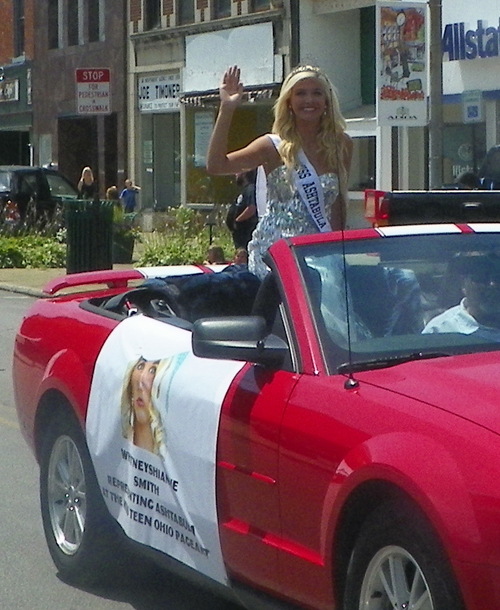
[(66, 495), (394, 581)]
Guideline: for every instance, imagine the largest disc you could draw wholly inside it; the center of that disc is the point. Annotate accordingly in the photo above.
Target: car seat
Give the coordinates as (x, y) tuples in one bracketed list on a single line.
[(387, 300)]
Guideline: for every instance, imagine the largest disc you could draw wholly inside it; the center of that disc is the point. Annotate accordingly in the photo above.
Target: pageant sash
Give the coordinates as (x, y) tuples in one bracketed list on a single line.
[(309, 188)]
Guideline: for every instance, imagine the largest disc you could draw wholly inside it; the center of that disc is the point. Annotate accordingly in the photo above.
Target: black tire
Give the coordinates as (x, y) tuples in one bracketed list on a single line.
[(78, 527), (397, 534)]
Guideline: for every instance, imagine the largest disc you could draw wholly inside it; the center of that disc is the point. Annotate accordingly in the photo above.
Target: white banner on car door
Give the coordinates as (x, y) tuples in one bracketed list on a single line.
[(151, 428)]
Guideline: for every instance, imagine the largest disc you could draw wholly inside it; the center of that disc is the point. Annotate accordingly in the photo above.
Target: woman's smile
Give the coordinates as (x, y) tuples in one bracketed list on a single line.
[(308, 99)]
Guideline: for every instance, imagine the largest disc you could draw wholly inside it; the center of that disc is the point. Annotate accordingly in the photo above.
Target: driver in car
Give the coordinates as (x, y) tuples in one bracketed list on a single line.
[(479, 310)]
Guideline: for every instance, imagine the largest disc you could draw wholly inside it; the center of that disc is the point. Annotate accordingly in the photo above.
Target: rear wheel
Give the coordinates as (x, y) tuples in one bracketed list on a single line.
[(397, 563), (76, 522)]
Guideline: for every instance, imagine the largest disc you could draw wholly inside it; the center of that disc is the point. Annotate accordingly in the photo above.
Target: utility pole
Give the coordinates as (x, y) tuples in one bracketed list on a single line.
[(436, 96)]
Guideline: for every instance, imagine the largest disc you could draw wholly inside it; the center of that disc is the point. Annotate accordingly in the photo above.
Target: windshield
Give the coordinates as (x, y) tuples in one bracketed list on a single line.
[(405, 297), (60, 187), (4, 181)]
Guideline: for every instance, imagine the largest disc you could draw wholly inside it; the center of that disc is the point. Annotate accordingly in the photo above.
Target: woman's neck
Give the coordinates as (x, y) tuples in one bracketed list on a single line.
[(308, 132), (143, 436)]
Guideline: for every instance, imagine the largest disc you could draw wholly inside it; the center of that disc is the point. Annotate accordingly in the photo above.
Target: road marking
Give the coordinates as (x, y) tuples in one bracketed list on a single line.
[(8, 422), (11, 422)]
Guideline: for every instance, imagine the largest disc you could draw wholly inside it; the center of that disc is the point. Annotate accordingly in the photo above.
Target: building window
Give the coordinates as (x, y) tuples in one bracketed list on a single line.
[(73, 22), (185, 11), (222, 8), (53, 24), (259, 5), (18, 27), (152, 17), (94, 20)]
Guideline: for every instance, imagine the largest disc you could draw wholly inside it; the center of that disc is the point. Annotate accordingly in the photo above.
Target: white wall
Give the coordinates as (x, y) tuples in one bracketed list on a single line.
[(208, 55), (331, 41)]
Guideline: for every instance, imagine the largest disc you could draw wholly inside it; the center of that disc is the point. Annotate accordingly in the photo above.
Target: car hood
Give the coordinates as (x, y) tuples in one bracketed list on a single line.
[(468, 385)]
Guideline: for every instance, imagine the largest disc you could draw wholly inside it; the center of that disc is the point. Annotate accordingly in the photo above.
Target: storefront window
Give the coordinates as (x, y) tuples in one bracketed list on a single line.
[(160, 160), (464, 148)]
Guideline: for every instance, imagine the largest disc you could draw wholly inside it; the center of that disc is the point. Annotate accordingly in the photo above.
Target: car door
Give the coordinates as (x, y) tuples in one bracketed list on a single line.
[(319, 426), (248, 474)]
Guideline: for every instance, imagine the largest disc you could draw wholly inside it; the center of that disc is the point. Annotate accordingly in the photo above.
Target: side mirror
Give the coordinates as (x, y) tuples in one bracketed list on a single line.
[(238, 338)]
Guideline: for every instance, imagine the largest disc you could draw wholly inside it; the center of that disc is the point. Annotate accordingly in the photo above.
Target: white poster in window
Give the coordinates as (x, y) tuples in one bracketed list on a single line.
[(402, 64), (203, 127), (472, 106)]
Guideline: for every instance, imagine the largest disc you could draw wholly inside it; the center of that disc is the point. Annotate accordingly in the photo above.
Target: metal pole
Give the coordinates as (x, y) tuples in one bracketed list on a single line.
[(436, 96)]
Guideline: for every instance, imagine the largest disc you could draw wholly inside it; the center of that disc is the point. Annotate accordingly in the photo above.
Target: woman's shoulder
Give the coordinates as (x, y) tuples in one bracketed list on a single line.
[(270, 157)]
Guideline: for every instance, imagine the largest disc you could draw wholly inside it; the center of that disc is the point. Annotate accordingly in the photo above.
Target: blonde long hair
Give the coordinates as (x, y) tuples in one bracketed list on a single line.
[(331, 137), (127, 412)]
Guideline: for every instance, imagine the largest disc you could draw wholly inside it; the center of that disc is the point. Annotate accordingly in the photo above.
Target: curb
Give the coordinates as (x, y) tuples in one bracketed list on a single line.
[(32, 292)]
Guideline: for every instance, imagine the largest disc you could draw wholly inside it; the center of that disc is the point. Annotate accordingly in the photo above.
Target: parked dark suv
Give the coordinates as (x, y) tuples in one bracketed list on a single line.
[(40, 186)]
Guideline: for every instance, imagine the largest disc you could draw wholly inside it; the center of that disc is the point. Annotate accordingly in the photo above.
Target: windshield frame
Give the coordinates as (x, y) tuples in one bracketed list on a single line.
[(425, 257)]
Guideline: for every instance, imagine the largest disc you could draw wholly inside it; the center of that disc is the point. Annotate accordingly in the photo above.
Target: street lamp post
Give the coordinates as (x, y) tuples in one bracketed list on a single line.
[(436, 97)]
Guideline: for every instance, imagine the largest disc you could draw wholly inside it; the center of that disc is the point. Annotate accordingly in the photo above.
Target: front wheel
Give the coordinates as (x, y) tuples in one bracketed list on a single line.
[(76, 522), (397, 563)]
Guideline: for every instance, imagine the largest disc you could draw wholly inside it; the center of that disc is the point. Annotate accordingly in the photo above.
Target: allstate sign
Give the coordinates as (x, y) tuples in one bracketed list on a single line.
[(460, 43)]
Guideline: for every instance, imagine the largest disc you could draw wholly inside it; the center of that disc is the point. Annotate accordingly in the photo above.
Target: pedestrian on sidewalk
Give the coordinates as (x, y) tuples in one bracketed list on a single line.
[(128, 196)]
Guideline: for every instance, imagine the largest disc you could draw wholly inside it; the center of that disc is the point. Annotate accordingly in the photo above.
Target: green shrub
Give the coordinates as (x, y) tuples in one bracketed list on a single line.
[(185, 239), (31, 251)]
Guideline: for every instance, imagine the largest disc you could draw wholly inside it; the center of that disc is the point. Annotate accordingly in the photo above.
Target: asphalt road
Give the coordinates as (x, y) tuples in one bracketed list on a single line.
[(29, 579)]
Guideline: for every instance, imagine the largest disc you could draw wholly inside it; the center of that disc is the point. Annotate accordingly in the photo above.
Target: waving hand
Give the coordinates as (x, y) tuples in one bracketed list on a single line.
[(231, 89)]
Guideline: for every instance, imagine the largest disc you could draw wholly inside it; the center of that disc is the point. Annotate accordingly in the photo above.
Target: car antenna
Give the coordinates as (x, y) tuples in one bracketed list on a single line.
[(350, 383)]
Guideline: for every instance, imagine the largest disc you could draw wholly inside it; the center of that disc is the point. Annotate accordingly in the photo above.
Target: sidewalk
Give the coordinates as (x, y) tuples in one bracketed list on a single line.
[(31, 281)]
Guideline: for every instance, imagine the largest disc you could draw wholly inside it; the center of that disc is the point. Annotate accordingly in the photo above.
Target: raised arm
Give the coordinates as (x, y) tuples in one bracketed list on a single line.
[(259, 152)]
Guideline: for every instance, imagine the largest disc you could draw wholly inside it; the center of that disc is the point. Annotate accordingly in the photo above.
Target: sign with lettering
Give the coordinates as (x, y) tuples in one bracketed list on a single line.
[(402, 64), (461, 43), (9, 90), (159, 93), (93, 91), (472, 106), (153, 445)]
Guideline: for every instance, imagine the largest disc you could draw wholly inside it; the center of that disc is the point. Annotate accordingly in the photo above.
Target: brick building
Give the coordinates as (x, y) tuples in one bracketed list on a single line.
[(178, 51), (72, 35), (16, 60)]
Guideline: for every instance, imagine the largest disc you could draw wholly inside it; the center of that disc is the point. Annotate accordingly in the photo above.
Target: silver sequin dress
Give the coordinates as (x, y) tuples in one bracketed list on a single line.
[(285, 216)]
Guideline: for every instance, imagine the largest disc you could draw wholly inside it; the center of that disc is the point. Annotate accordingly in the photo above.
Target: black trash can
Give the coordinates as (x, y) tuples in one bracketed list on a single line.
[(89, 235)]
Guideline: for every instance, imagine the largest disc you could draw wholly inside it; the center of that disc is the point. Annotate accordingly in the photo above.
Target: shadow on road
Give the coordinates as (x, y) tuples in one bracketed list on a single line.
[(146, 586)]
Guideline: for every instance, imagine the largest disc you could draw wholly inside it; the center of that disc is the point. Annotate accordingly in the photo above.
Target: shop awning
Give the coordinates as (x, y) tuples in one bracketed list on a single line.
[(211, 97)]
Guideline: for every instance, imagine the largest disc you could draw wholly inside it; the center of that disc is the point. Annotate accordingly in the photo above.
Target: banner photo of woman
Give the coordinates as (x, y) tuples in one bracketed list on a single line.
[(153, 449)]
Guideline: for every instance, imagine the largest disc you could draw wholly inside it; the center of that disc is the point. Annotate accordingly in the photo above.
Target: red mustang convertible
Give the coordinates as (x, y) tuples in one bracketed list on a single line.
[(326, 438)]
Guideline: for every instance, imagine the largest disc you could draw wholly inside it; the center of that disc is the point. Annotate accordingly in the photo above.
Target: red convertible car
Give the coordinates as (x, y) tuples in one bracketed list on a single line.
[(327, 437)]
